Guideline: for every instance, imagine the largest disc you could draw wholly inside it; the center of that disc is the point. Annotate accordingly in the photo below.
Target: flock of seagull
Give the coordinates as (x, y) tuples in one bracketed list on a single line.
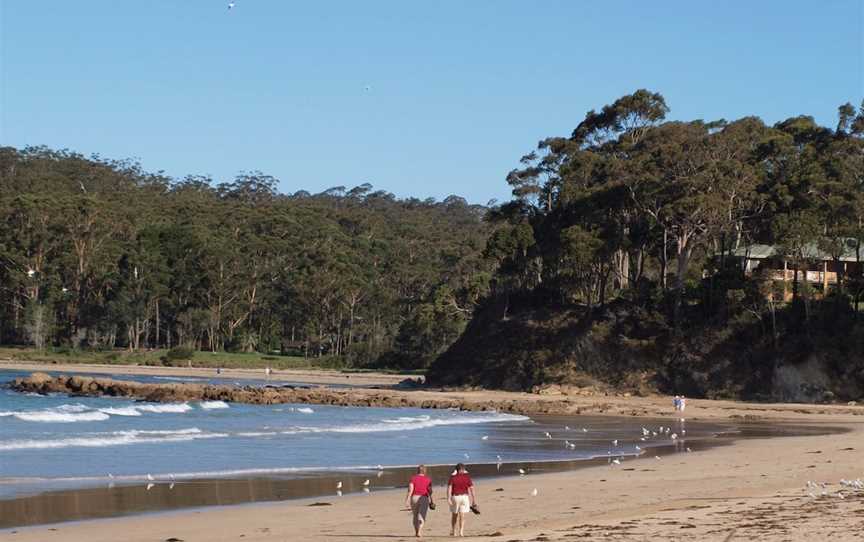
[(614, 460)]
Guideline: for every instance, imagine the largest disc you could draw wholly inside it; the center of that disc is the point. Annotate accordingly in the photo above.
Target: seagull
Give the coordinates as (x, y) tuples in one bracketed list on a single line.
[(379, 467), (674, 436), (547, 434), (616, 461), (339, 485), (534, 492), (638, 448), (230, 6), (365, 490), (566, 427), (30, 272), (484, 437), (110, 476), (150, 477), (584, 430), (523, 472), (171, 486), (615, 442), (689, 450), (657, 457), (366, 483)]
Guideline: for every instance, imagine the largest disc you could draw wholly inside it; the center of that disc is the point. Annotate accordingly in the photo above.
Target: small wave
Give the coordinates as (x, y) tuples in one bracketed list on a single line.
[(257, 434), (169, 407), (121, 411), (304, 410), (213, 405), (407, 424), (49, 416), (118, 438)]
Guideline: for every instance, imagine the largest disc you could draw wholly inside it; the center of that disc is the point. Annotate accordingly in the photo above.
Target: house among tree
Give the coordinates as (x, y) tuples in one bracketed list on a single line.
[(818, 267)]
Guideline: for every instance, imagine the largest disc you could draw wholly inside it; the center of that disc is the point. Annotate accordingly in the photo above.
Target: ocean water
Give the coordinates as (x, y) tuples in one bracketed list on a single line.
[(59, 442)]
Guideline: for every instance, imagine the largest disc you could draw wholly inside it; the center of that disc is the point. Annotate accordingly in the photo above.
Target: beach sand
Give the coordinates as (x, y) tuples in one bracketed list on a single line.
[(754, 489), (301, 376)]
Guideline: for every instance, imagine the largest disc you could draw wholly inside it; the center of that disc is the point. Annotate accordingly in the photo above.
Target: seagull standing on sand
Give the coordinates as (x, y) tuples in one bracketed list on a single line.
[(522, 472), (534, 492), (366, 483), (339, 485)]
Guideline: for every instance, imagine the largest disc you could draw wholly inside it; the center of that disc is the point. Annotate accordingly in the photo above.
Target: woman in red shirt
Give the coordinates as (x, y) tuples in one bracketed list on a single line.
[(419, 498), (460, 495)]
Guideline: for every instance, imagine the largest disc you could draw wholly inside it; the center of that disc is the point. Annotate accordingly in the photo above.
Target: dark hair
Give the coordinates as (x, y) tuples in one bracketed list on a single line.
[(460, 467)]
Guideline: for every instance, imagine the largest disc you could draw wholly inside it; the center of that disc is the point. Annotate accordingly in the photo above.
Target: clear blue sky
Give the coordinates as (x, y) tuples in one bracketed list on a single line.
[(460, 89)]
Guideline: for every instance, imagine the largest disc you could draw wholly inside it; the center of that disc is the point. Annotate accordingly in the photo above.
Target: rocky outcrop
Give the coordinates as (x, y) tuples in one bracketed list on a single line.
[(268, 395)]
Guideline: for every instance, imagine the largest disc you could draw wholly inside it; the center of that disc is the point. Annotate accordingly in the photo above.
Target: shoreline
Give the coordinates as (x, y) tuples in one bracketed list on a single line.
[(758, 491), (187, 491), (300, 376)]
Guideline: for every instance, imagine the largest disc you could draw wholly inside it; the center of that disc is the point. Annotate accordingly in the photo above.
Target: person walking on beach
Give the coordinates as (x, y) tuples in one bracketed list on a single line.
[(419, 499), (462, 499)]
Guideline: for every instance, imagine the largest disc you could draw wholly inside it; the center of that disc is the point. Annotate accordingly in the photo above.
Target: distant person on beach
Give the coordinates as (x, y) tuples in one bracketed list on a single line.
[(462, 499), (676, 403), (682, 403), (419, 499), (267, 372)]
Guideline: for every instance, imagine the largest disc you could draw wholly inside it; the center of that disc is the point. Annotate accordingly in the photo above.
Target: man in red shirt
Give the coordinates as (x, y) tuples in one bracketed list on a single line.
[(460, 495), (419, 498)]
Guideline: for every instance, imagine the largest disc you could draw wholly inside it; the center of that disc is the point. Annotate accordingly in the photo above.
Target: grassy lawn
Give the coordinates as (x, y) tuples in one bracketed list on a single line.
[(228, 360)]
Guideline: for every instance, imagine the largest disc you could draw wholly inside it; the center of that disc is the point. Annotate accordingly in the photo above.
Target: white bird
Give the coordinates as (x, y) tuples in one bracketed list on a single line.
[(616, 461), (566, 427), (110, 476), (171, 486), (380, 474), (30, 272), (689, 450), (64, 290), (366, 483), (645, 432), (615, 442), (149, 486), (523, 472), (657, 457), (339, 485), (674, 436), (584, 430), (150, 477), (638, 448), (534, 492), (230, 6), (380, 467), (547, 434), (484, 437)]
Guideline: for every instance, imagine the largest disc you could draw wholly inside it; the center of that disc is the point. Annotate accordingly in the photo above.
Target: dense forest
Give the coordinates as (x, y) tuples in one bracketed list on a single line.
[(99, 254), (622, 259)]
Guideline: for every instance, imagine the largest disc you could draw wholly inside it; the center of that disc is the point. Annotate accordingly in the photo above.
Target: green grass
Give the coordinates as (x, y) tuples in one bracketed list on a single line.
[(227, 360)]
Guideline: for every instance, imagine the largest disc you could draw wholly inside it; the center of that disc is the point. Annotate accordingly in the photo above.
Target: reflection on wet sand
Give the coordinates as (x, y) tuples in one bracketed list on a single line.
[(115, 500)]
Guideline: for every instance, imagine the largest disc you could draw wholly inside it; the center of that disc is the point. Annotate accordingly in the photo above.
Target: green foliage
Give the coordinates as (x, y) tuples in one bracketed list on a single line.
[(101, 255)]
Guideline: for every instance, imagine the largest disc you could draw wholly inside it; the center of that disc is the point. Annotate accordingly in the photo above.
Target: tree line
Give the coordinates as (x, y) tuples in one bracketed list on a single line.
[(101, 254), (634, 206)]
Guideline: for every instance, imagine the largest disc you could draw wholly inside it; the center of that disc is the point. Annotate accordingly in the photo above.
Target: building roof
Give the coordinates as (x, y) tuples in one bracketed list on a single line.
[(811, 252)]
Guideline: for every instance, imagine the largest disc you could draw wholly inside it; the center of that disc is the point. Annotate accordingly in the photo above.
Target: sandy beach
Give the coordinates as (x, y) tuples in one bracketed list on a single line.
[(753, 489), (318, 376)]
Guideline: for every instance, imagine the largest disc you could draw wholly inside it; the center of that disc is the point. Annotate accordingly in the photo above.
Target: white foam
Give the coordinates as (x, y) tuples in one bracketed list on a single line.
[(169, 407), (121, 411), (305, 410), (213, 405), (407, 424), (49, 416), (118, 438), (178, 379)]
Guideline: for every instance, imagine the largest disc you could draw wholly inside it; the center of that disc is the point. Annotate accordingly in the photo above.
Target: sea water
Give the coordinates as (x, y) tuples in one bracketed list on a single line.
[(61, 442)]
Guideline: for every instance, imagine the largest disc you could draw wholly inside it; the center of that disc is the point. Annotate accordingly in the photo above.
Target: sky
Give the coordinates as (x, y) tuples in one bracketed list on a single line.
[(419, 98)]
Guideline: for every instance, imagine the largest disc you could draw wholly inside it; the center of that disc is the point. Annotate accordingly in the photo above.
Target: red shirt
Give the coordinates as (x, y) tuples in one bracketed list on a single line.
[(460, 482), (422, 483)]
